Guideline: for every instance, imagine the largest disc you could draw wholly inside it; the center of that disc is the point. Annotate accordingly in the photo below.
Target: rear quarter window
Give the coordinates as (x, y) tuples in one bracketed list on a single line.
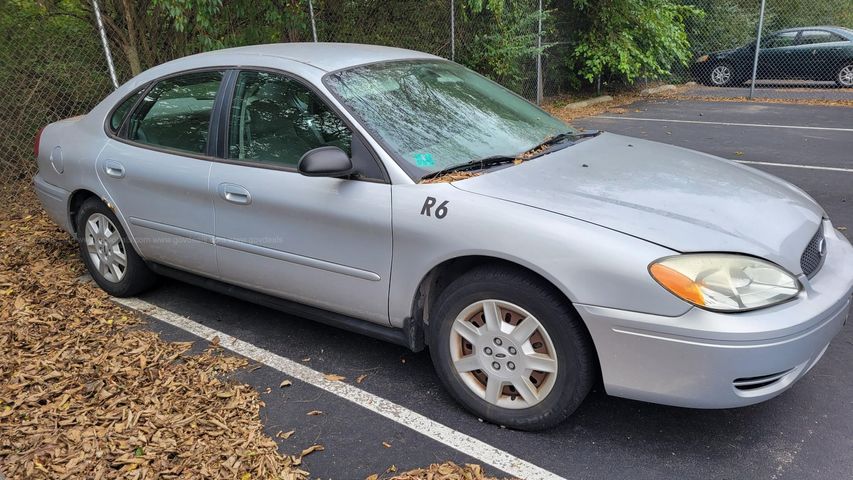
[(117, 117)]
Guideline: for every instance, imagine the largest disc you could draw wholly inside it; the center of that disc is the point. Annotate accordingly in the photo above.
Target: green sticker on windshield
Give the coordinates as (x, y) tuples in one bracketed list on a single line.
[(424, 160)]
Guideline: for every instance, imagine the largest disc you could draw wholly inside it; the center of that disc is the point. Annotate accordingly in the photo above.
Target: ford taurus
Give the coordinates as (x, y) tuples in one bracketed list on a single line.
[(399, 195)]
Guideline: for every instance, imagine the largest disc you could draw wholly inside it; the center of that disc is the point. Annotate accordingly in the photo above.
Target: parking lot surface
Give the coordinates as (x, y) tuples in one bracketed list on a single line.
[(805, 433)]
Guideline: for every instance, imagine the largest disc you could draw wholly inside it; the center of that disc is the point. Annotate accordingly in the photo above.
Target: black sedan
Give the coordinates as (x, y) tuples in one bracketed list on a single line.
[(807, 53)]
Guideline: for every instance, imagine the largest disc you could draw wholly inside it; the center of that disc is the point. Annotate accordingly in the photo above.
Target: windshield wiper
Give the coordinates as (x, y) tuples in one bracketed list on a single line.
[(541, 149), (478, 164), (560, 138)]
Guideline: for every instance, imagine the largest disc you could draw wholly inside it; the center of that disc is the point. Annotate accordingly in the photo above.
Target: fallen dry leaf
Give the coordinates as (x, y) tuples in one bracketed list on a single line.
[(360, 378), (450, 177), (312, 449), (333, 378), (285, 435), (444, 471), (314, 413), (386, 444), (285, 383)]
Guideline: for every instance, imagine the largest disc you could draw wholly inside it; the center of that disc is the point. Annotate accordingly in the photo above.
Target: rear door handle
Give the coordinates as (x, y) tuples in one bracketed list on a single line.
[(233, 193), (114, 169)]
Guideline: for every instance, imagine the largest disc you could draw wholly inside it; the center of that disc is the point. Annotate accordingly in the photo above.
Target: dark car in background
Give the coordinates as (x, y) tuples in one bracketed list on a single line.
[(806, 53)]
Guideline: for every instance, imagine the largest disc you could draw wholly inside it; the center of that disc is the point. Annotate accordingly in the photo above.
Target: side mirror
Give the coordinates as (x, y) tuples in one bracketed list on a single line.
[(325, 162)]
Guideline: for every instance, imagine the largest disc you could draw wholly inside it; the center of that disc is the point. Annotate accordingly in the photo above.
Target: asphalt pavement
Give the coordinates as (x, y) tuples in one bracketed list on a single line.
[(805, 433)]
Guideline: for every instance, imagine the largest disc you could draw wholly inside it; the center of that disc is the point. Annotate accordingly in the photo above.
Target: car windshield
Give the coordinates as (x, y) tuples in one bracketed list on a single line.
[(434, 115)]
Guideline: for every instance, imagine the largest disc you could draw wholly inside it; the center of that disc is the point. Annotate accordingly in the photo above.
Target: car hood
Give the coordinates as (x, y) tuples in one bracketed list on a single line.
[(681, 199)]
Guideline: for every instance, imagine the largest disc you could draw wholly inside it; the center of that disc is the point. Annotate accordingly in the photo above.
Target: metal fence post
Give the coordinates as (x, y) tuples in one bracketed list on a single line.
[(106, 44), (539, 86), (452, 30), (313, 25), (757, 48)]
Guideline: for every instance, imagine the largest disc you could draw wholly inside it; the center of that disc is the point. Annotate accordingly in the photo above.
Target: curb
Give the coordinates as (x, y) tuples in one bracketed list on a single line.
[(588, 102), (663, 88)]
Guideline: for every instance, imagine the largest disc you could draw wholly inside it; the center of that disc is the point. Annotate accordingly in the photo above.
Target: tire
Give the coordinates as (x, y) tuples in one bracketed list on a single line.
[(722, 75), (844, 77), (103, 242), (560, 337)]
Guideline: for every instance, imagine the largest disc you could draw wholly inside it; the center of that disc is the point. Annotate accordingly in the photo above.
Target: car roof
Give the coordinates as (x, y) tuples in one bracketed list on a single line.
[(322, 55), (844, 31)]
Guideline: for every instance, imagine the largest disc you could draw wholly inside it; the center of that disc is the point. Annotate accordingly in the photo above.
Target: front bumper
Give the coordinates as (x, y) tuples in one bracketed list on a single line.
[(705, 359)]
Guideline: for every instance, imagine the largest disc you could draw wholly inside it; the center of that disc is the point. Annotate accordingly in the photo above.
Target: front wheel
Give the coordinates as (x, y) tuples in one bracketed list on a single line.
[(511, 349), (844, 78)]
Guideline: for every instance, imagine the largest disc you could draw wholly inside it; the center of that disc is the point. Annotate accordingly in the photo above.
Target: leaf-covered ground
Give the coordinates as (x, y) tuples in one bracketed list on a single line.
[(87, 392)]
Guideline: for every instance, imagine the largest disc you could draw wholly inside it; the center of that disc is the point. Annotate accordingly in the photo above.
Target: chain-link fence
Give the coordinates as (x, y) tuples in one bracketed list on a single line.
[(50, 69), (52, 64)]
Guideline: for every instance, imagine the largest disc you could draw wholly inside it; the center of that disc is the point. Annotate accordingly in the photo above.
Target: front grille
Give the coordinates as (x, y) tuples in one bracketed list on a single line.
[(813, 254)]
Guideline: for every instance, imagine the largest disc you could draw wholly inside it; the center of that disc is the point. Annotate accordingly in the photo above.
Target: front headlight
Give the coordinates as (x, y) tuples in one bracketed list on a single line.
[(724, 282), (703, 58)]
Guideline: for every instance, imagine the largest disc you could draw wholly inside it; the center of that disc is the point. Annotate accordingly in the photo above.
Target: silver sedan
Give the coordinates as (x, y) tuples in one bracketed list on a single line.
[(400, 195)]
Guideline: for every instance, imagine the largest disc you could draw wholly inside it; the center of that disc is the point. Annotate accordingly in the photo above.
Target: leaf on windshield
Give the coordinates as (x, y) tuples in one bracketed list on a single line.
[(450, 177), (531, 153)]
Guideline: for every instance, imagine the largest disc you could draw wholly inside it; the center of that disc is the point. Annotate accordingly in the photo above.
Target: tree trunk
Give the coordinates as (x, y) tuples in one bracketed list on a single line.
[(131, 49), (132, 55)]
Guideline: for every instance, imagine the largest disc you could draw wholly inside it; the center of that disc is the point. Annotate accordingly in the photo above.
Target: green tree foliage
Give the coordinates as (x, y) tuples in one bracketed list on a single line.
[(583, 40), (504, 41), (416, 24), (627, 38), (724, 25), (798, 13), (145, 33), (51, 67)]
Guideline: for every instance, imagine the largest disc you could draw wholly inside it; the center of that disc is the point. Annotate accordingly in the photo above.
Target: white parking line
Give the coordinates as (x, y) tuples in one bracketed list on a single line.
[(790, 165), (729, 124), (468, 445)]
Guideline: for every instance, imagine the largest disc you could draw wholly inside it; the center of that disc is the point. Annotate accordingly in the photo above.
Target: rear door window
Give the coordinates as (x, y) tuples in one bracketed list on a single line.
[(780, 40), (175, 113)]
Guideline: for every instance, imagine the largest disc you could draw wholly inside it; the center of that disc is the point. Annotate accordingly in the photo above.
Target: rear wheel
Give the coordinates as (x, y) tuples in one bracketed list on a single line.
[(845, 76), (511, 349), (111, 260)]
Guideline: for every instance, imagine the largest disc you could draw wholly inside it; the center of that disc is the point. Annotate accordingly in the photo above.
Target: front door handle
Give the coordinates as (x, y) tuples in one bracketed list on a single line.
[(235, 194), (114, 169)]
